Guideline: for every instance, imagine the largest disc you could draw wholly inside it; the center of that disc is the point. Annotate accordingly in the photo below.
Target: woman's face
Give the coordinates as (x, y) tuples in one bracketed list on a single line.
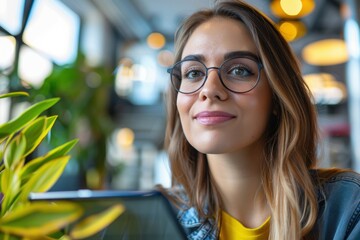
[(214, 119)]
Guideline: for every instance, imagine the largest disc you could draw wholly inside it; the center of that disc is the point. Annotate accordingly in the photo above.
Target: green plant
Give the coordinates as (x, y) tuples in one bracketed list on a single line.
[(84, 92), (19, 176)]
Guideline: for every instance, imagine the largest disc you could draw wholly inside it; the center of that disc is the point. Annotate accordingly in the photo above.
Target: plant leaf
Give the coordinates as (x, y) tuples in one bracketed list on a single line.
[(10, 186), (2, 149), (14, 151), (36, 131), (9, 179), (5, 236), (11, 94), (33, 131), (34, 164), (40, 218), (14, 94), (95, 223), (28, 115), (45, 177), (38, 238), (65, 237)]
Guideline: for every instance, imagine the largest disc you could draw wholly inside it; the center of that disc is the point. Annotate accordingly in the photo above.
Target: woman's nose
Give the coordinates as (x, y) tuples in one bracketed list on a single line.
[(213, 88)]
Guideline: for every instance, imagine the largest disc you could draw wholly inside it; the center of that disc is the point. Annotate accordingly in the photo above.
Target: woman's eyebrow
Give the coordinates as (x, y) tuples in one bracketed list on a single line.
[(197, 57), (241, 54), (200, 57)]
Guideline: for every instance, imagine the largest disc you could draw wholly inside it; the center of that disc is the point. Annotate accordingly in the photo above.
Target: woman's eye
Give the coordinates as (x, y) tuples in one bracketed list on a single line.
[(193, 74), (240, 72)]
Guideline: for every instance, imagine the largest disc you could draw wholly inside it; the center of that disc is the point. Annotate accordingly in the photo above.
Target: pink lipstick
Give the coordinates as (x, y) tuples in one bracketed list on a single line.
[(212, 118)]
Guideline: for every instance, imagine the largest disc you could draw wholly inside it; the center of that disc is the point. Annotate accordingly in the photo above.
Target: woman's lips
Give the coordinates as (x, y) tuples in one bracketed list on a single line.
[(212, 118)]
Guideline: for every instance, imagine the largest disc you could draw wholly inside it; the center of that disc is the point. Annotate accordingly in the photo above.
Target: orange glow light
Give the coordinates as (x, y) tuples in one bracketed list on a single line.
[(156, 40), (292, 8)]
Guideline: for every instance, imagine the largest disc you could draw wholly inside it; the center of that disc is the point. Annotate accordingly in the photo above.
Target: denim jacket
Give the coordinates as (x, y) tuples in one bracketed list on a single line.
[(338, 218)]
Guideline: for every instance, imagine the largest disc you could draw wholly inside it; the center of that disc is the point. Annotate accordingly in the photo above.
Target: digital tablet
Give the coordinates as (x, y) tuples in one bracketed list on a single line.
[(147, 215)]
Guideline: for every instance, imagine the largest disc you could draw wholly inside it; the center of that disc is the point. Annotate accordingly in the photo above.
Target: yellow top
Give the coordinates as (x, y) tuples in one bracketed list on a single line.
[(232, 229)]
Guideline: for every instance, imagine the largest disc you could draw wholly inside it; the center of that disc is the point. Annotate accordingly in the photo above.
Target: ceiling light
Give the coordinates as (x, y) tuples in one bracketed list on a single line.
[(156, 40), (124, 77), (125, 137), (292, 30), (326, 52), (325, 88), (292, 8)]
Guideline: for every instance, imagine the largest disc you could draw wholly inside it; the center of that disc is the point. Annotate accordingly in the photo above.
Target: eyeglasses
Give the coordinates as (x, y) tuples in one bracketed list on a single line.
[(239, 74)]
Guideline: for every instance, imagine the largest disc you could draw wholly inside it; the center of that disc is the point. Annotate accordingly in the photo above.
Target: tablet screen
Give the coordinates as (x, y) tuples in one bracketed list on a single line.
[(147, 215)]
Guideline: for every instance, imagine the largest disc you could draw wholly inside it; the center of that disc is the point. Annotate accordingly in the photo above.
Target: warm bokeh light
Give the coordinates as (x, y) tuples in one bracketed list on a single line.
[(7, 50), (125, 137), (292, 8), (325, 88), (156, 40), (165, 58), (326, 52), (124, 77), (33, 68), (292, 30)]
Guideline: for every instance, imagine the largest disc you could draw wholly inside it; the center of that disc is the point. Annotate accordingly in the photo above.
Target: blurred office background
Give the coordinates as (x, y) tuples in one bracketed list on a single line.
[(107, 60)]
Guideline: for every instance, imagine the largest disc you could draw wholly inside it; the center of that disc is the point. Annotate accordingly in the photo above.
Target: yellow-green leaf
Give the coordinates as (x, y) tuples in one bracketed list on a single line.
[(9, 180), (14, 94), (28, 115), (65, 237), (2, 148), (37, 131), (50, 121), (39, 219), (34, 164), (45, 177), (14, 151), (6, 236), (10, 186), (38, 238), (95, 223)]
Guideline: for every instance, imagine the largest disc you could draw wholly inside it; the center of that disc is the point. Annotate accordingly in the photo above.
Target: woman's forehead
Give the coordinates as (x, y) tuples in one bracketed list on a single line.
[(217, 37)]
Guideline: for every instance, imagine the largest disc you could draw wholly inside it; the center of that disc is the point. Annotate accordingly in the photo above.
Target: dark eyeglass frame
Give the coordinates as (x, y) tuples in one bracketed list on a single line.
[(248, 56)]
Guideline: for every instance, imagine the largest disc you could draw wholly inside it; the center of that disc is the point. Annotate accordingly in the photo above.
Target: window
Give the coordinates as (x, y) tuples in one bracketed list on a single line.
[(53, 29)]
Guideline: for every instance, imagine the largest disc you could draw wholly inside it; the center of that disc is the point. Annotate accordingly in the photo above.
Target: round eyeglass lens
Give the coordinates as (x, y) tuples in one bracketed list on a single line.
[(240, 74), (188, 76), (237, 74)]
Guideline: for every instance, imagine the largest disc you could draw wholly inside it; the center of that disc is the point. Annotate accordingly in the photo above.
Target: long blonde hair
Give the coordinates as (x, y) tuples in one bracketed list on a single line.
[(291, 134)]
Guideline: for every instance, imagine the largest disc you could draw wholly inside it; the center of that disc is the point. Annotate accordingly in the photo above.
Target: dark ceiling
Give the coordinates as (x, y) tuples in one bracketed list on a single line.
[(135, 19)]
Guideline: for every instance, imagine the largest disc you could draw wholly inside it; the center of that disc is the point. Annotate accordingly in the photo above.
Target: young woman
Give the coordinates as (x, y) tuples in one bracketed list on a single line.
[(242, 136)]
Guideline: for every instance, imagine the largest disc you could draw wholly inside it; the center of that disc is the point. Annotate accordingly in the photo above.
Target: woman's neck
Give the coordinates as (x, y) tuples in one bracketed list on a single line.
[(238, 180)]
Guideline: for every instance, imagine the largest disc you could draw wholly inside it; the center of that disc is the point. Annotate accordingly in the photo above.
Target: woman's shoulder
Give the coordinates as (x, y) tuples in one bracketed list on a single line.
[(180, 201), (337, 185), (339, 203), (194, 225), (337, 179), (345, 175)]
